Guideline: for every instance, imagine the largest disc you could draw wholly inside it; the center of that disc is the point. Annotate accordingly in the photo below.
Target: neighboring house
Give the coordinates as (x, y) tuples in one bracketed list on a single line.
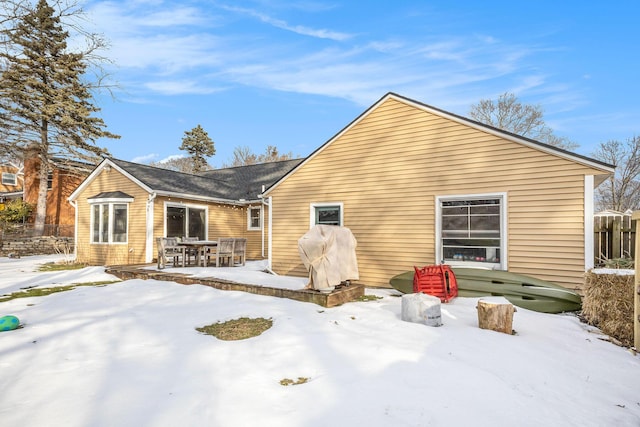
[(63, 178), (11, 183), (121, 207), (418, 185)]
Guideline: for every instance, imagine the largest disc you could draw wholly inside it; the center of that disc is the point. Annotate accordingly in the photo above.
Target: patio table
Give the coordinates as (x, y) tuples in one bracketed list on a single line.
[(200, 246)]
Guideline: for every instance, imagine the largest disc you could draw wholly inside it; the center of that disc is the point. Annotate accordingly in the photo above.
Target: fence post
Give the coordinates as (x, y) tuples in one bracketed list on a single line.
[(616, 234), (636, 289)]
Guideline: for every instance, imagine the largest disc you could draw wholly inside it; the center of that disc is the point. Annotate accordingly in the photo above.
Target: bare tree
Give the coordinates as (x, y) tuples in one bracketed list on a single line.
[(509, 114), (622, 191), (178, 164), (244, 156), (46, 108)]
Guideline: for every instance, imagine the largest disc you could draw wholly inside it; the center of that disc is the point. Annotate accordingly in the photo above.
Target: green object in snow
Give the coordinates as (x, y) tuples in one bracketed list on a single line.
[(8, 323), (522, 291)]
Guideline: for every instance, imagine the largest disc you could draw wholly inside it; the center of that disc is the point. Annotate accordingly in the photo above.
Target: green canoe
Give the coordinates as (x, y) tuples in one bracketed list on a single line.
[(522, 291)]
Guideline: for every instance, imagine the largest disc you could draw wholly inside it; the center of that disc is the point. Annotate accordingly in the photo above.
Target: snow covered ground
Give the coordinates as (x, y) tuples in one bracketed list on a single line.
[(128, 354)]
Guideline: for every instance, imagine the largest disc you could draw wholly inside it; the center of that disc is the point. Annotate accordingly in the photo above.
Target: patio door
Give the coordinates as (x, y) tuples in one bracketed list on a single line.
[(186, 221)]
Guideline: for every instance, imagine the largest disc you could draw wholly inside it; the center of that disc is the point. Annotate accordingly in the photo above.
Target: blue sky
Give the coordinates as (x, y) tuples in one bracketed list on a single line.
[(294, 73)]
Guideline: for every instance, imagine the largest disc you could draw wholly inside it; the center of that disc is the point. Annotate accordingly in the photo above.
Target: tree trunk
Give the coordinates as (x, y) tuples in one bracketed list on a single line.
[(41, 207), (496, 314)]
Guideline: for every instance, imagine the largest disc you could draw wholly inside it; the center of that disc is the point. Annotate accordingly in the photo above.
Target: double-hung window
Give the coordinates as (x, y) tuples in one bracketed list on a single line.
[(254, 218), (326, 213), (472, 230)]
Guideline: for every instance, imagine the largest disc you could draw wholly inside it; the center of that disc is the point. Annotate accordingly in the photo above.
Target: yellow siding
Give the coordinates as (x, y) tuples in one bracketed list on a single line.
[(223, 221), (132, 252), (388, 169)]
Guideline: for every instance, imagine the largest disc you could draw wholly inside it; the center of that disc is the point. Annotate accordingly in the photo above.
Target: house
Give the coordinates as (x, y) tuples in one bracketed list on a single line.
[(11, 183), (418, 185), (64, 176), (121, 207)]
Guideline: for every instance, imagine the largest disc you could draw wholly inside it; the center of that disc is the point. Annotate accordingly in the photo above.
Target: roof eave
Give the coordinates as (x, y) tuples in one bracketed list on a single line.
[(200, 198)]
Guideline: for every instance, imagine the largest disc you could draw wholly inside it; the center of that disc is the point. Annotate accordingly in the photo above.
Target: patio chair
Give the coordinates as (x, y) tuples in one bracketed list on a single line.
[(168, 249), (191, 251), (239, 251), (224, 250)]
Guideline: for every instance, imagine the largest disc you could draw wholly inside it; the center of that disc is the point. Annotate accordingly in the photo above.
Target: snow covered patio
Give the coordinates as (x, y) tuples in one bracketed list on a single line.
[(127, 354), (252, 278)]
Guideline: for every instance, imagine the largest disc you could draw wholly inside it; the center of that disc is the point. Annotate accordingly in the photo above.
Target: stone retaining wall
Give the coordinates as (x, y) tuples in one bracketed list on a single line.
[(24, 246)]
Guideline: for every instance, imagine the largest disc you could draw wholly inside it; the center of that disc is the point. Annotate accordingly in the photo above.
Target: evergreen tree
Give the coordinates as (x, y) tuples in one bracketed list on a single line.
[(46, 107), (197, 143)]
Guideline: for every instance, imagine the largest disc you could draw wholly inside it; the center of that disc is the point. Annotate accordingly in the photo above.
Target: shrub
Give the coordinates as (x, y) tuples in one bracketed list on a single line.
[(15, 211)]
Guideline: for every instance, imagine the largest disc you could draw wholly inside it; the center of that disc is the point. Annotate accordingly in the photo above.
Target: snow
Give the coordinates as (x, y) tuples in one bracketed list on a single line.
[(128, 354), (614, 271)]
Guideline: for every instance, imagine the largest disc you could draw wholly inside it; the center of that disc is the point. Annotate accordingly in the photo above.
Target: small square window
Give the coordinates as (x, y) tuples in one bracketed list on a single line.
[(326, 214)]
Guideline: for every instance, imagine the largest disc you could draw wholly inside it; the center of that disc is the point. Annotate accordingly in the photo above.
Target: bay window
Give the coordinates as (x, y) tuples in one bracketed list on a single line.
[(109, 222)]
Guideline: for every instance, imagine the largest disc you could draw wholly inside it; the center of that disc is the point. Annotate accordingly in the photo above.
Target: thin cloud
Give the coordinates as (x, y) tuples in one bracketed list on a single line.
[(145, 159), (283, 25), (184, 87), (194, 56)]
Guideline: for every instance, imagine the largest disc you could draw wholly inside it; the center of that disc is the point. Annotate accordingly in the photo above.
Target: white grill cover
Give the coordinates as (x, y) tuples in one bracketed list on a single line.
[(329, 254)]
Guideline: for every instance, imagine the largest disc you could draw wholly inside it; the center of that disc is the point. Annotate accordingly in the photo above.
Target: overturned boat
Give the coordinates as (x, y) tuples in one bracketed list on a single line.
[(522, 291)]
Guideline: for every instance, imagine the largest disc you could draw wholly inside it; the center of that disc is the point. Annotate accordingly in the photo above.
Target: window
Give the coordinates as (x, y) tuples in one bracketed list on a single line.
[(326, 213), (9, 179), (186, 221), (49, 180), (254, 218), (472, 230), (109, 222)]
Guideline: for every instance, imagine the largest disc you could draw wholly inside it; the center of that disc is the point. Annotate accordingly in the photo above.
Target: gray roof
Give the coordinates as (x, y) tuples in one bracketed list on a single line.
[(242, 182), (112, 195)]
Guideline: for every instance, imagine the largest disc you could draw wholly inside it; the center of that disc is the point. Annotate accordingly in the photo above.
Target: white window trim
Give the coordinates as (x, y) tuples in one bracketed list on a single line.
[(312, 211), (110, 204), (190, 206), (589, 249), (6, 176), (503, 265), (249, 227)]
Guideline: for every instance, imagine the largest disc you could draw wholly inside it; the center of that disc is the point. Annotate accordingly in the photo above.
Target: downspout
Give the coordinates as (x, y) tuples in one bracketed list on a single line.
[(270, 231), (149, 227), (75, 228)]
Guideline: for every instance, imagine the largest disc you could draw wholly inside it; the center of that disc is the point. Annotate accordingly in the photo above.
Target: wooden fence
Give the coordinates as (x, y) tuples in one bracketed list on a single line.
[(614, 237)]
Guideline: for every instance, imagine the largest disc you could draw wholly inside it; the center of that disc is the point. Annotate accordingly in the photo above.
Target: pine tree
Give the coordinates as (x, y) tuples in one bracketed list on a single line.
[(199, 145), (46, 106)]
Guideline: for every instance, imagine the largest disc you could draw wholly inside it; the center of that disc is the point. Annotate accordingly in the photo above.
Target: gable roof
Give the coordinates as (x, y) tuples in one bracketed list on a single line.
[(230, 185), (606, 169)]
